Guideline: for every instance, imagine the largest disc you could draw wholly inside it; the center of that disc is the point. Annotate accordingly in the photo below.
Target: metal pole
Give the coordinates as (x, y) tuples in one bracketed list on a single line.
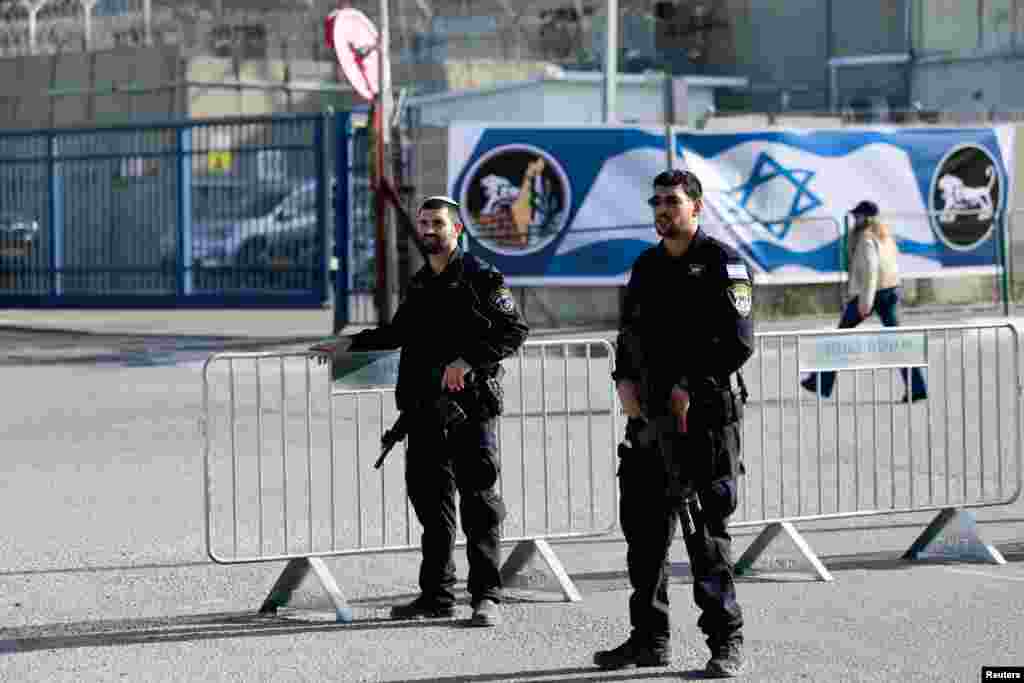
[(385, 278), (387, 113), (147, 21), (383, 295), (611, 62), (384, 53), (1004, 258), (33, 7), (87, 8), (670, 115), (342, 240)]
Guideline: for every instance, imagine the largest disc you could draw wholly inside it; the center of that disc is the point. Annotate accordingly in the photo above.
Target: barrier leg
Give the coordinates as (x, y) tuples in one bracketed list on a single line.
[(953, 535), (525, 551), (750, 555), (292, 577)]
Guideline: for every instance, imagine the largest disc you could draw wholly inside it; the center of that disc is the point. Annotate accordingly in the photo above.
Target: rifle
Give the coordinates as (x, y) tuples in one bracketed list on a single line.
[(398, 431), (449, 413)]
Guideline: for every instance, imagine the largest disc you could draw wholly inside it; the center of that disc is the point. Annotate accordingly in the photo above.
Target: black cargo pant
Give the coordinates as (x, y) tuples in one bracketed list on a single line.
[(652, 502), (466, 460)]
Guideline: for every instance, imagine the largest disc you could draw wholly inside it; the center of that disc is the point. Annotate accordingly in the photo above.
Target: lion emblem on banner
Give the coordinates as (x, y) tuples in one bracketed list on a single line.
[(959, 197)]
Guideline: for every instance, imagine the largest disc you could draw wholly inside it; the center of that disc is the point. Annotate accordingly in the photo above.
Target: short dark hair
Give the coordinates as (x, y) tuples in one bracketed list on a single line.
[(685, 179), (438, 202)]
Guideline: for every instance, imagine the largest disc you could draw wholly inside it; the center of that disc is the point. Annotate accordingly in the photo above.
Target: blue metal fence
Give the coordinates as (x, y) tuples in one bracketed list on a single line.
[(355, 292), (226, 212)]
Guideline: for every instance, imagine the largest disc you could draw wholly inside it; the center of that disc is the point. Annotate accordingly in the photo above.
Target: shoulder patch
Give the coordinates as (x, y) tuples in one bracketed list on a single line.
[(737, 271), (742, 297), (502, 300)]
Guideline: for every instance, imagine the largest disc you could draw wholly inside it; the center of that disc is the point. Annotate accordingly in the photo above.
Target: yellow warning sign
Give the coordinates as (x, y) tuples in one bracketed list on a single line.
[(218, 161)]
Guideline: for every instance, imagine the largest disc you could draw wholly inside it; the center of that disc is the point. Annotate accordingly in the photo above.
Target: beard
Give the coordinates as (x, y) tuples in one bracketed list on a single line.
[(432, 244), (667, 228)]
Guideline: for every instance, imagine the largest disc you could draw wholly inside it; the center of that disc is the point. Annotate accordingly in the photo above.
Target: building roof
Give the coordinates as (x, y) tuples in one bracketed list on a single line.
[(556, 74)]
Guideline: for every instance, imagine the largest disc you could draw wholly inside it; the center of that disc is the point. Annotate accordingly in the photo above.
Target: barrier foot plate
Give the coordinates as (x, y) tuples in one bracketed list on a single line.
[(953, 536), (770, 532), (525, 552), (295, 572)]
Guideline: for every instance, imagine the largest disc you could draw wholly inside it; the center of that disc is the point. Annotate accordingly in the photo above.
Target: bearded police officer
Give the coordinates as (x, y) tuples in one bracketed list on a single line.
[(456, 324), (686, 327)]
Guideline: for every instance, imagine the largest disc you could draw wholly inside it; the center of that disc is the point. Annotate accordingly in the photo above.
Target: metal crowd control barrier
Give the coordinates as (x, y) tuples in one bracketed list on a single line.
[(289, 456), (864, 451)]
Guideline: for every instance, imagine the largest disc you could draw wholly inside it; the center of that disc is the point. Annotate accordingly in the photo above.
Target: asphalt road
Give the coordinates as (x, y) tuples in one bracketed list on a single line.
[(104, 573)]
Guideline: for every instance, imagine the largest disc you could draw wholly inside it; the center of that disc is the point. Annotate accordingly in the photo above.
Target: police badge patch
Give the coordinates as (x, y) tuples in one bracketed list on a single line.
[(503, 300), (741, 296)]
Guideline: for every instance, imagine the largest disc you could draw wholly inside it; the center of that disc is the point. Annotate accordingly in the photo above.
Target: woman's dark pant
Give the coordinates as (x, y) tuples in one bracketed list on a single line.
[(887, 306), (466, 460)]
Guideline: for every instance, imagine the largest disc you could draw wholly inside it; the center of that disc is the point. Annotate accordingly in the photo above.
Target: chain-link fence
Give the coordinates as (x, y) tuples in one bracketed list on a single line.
[(172, 213), (421, 32)]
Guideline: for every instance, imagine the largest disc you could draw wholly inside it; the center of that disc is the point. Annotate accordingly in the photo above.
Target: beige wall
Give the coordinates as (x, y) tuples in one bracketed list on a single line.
[(32, 87), (156, 76)]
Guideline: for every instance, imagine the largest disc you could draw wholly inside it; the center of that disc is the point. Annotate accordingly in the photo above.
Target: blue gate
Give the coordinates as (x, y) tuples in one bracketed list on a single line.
[(218, 213)]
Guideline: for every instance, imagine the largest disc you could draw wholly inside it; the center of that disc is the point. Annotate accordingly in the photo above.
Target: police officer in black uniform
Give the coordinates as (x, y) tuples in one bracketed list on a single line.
[(456, 324), (686, 327)]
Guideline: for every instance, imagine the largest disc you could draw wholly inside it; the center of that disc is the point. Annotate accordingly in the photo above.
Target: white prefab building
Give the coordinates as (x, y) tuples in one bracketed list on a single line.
[(568, 97)]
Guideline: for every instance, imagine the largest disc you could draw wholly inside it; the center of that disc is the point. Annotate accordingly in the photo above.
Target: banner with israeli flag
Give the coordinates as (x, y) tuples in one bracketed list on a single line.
[(554, 205)]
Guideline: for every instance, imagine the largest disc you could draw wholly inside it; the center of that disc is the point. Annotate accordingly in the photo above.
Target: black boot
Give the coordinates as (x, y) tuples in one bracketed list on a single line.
[(629, 654), (421, 608), (726, 659)]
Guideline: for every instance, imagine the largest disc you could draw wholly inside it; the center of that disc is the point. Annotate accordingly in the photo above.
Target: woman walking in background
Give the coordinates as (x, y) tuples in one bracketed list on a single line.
[(874, 285)]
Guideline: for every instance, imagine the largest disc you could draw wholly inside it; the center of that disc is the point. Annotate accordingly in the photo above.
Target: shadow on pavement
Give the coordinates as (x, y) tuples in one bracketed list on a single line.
[(791, 568), (95, 569), (235, 625), (583, 674), (180, 629)]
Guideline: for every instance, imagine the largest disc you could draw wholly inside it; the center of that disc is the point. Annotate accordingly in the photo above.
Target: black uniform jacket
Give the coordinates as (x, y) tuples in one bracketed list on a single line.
[(691, 317), (464, 312)]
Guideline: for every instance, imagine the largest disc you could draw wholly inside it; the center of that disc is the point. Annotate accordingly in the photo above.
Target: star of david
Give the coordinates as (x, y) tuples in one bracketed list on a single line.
[(767, 169)]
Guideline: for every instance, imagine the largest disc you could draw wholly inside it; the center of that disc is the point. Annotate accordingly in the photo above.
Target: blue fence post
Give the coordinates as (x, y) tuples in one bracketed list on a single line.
[(183, 162), (55, 209), (342, 239), (1004, 261), (321, 283)]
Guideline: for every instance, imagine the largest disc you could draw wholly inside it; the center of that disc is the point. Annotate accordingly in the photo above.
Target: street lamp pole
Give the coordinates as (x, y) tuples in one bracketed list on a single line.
[(611, 62)]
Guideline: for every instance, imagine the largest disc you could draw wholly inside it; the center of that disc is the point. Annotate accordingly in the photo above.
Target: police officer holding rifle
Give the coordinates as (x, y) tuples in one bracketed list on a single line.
[(455, 326), (686, 328)]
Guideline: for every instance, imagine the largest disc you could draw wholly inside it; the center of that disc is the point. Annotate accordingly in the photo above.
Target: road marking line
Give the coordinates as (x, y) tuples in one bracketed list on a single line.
[(991, 576)]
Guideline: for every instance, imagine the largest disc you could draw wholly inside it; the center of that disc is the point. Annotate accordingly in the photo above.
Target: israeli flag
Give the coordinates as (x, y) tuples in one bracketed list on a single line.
[(783, 206)]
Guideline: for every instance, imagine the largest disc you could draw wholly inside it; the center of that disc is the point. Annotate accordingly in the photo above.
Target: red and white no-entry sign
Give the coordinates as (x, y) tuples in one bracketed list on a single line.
[(354, 39)]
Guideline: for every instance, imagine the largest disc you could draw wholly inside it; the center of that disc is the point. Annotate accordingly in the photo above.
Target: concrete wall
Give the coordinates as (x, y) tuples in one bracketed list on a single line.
[(32, 85), (569, 102), (521, 102), (149, 84), (786, 45), (554, 101), (950, 85)]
